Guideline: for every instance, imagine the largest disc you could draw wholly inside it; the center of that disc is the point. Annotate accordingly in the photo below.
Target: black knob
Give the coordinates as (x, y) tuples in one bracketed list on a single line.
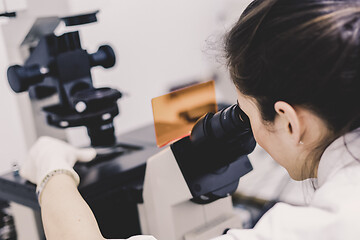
[(80, 19), (21, 78), (104, 57)]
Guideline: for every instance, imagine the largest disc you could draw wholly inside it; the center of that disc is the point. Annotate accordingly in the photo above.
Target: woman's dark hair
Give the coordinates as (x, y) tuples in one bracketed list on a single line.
[(303, 52)]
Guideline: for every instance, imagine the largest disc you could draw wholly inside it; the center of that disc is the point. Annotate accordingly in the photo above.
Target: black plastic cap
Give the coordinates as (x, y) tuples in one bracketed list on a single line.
[(105, 57), (15, 77), (21, 78)]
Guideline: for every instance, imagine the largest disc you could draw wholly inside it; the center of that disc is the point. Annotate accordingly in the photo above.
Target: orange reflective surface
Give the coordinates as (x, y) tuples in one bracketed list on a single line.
[(176, 113)]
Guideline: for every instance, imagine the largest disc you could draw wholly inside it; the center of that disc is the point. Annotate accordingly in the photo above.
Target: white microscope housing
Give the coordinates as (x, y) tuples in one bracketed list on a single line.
[(187, 186)]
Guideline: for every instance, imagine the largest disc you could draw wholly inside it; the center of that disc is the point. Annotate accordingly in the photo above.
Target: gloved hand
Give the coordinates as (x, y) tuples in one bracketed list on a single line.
[(48, 155)]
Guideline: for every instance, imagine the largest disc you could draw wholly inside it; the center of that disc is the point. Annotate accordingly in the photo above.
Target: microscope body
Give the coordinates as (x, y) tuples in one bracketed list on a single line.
[(167, 211), (187, 186), (57, 66)]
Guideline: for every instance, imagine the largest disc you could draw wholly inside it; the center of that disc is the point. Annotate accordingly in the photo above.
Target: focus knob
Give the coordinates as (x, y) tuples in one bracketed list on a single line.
[(104, 57), (21, 78)]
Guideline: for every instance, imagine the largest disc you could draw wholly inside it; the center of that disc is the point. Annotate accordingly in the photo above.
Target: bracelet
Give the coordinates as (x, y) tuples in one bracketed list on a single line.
[(40, 187)]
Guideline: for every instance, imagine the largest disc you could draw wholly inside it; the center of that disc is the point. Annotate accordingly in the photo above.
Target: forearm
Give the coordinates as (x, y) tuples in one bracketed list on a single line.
[(64, 212)]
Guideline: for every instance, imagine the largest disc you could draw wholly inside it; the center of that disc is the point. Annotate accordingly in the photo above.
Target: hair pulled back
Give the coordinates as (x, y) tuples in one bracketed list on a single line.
[(303, 52)]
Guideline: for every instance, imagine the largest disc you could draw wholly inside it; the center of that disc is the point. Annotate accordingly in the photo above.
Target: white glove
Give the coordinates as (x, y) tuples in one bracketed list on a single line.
[(48, 155)]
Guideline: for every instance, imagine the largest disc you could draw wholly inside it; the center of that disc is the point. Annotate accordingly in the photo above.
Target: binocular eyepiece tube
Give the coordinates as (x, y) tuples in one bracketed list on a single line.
[(224, 127), (216, 152)]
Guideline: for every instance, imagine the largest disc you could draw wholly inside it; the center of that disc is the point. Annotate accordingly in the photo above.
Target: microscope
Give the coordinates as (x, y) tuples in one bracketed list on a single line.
[(57, 65), (56, 74), (187, 186), (181, 192)]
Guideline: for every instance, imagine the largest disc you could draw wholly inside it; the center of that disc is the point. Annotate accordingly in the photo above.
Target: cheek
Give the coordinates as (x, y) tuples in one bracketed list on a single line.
[(260, 133), (268, 141), (273, 145)]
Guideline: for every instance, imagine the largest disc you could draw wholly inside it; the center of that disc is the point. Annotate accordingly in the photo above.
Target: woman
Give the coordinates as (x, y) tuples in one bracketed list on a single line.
[(296, 68)]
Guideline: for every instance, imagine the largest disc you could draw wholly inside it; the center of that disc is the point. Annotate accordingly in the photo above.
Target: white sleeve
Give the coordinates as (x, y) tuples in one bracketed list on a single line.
[(284, 222)]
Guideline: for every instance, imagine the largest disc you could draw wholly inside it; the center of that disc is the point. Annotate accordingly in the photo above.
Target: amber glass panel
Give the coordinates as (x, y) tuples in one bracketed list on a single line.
[(176, 113)]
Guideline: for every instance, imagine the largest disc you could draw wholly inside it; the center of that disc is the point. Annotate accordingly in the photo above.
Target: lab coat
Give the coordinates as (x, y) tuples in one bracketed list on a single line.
[(333, 212)]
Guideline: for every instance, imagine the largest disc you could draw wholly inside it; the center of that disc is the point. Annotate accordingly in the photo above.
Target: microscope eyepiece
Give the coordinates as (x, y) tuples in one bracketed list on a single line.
[(228, 120), (224, 127), (214, 157)]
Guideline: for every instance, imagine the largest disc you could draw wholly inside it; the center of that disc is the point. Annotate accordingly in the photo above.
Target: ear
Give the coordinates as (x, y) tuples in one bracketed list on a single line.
[(289, 118)]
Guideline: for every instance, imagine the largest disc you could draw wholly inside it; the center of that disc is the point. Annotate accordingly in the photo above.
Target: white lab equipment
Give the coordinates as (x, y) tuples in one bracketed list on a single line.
[(167, 211)]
